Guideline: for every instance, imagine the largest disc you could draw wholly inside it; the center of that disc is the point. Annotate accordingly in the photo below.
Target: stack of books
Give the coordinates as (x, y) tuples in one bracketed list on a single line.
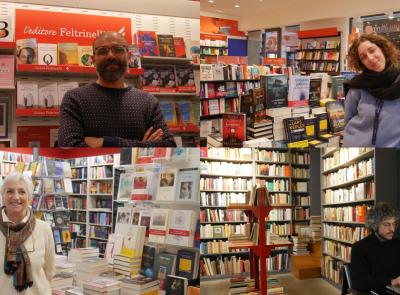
[(89, 269), (300, 245), (102, 286), (78, 254), (139, 285), (126, 265)]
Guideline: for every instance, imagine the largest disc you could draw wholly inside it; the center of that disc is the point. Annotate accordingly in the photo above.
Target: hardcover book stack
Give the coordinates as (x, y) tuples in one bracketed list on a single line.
[(102, 286), (139, 285)]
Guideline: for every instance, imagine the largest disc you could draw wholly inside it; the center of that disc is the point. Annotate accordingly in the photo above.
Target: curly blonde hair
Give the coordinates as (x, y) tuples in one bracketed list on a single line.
[(389, 50)]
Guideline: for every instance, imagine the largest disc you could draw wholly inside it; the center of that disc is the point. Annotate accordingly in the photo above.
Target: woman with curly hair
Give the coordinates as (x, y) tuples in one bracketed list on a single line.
[(372, 104), (375, 260)]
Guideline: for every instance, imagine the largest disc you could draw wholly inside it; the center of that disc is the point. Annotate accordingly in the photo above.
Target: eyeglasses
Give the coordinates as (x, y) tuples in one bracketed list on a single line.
[(116, 50), (388, 224)]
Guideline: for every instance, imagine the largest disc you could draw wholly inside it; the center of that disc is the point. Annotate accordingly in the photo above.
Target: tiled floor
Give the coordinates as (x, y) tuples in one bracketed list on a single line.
[(293, 286)]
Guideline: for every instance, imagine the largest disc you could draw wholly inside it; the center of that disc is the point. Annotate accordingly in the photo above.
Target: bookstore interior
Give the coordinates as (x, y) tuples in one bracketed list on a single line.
[(272, 72), (284, 221), (124, 221), (41, 59)]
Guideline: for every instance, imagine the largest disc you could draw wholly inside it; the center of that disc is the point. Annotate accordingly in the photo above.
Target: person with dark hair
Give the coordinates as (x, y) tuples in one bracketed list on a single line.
[(108, 112), (375, 260), (372, 103)]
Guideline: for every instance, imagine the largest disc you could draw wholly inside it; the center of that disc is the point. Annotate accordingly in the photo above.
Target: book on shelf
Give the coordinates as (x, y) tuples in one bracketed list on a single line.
[(187, 263), (180, 48), (27, 51), (135, 61), (85, 56), (158, 225), (185, 79), (335, 110), (315, 92), (167, 185), (233, 129), (166, 265), (147, 42), (68, 53), (181, 228), (148, 261), (176, 285), (187, 188), (299, 91), (134, 236), (142, 182), (166, 45), (337, 88), (295, 130), (125, 186), (276, 90)]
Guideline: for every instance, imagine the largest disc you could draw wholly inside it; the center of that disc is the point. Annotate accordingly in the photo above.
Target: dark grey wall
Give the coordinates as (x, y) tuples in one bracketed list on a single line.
[(315, 181)]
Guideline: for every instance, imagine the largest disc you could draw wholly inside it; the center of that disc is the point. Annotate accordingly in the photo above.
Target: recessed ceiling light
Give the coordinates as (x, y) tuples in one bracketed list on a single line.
[(211, 1), (237, 6)]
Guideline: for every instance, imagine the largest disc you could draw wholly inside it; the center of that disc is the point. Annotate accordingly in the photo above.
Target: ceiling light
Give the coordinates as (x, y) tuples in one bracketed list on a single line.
[(237, 6), (211, 1)]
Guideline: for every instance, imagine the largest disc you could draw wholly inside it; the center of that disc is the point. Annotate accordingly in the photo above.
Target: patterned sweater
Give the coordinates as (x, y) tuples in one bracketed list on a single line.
[(120, 116)]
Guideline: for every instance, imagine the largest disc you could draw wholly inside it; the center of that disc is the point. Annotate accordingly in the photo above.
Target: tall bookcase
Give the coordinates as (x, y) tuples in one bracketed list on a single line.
[(300, 185), (353, 180)]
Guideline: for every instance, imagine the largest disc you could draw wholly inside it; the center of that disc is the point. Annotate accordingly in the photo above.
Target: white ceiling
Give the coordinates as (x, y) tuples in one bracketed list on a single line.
[(178, 8), (247, 7)]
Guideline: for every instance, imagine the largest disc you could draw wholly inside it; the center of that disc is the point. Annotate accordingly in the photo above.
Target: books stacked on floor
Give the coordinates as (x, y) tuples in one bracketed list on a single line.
[(139, 285), (102, 286), (241, 284), (273, 287), (89, 269), (63, 265), (300, 245), (315, 225), (78, 254), (128, 266)]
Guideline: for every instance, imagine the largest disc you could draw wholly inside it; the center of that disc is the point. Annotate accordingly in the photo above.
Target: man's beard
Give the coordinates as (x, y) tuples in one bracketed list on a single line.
[(112, 75)]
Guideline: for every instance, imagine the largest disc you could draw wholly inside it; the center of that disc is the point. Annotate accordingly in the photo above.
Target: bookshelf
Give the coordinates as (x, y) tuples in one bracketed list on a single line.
[(352, 180), (100, 200), (79, 200), (300, 176), (319, 54)]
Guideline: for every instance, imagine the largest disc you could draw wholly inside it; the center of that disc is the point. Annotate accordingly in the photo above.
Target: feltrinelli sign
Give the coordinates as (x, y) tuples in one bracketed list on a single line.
[(63, 27)]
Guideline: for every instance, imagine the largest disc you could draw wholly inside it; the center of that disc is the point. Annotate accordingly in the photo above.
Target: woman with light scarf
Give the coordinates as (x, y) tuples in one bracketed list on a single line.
[(26, 243)]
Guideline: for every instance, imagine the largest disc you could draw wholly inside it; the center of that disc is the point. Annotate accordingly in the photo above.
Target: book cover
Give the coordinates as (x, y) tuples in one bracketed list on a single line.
[(176, 285), (311, 125), (123, 215), (188, 185), (147, 42), (85, 56), (68, 54), (47, 54), (299, 91), (169, 111), (48, 186), (151, 79), (181, 228), (337, 87), (167, 185), (315, 92), (295, 129), (185, 79), (7, 31), (184, 112), (148, 261), (158, 225), (134, 61), (57, 235), (166, 265), (7, 71), (322, 123), (206, 72), (180, 48), (233, 129), (67, 184), (276, 90), (144, 218), (335, 110), (27, 94), (125, 187), (166, 45), (113, 247), (141, 186), (193, 50), (134, 237), (48, 95), (26, 51), (186, 264), (64, 86), (167, 78)]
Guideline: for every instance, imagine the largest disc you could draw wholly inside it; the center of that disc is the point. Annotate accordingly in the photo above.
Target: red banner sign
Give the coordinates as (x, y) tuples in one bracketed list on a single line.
[(36, 136), (63, 27)]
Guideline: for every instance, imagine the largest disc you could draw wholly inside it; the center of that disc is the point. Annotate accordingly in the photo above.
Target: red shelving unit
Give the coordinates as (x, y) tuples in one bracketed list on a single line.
[(260, 252)]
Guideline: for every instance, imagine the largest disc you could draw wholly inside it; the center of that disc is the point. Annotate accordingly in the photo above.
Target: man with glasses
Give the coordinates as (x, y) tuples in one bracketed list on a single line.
[(375, 260), (108, 112)]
